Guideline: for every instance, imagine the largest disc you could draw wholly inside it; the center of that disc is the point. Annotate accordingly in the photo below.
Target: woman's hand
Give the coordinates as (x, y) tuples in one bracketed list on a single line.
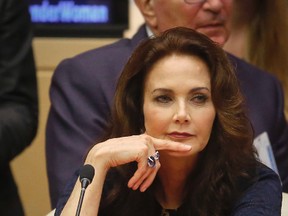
[(118, 151), (115, 152)]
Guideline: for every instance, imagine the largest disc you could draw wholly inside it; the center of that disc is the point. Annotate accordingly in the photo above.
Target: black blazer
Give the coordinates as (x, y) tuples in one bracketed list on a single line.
[(18, 96), (81, 95)]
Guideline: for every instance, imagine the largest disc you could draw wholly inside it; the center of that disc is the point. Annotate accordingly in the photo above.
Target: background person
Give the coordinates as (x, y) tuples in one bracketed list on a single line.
[(259, 32), (18, 96), (82, 89), (216, 175)]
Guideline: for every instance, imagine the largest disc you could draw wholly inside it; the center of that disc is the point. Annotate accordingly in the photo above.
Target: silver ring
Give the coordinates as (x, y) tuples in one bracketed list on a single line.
[(152, 159), (156, 155)]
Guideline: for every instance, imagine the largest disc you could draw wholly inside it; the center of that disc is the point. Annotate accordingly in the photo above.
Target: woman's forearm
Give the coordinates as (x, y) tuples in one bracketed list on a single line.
[(92, 196)]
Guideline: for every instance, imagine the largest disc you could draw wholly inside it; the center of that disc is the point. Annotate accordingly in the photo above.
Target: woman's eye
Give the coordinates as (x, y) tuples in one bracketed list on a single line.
[(163, 99), (199, 98)]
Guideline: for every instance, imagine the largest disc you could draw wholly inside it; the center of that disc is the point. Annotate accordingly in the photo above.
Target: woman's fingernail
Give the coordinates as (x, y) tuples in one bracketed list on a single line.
[(188, 147)]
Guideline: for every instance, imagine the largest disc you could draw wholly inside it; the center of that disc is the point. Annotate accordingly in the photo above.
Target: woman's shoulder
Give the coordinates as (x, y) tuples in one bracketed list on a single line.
[(263, 196)]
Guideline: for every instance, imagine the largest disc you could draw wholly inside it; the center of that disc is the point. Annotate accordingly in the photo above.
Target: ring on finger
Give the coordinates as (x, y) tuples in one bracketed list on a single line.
[(152, 159)]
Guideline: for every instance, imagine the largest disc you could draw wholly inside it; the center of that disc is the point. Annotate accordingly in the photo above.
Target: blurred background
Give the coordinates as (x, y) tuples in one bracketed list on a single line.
[(55, 40)]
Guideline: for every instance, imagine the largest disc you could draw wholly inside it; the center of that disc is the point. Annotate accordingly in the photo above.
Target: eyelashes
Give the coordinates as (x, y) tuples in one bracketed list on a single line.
[(163, 99), (200, 99), (197, 99)]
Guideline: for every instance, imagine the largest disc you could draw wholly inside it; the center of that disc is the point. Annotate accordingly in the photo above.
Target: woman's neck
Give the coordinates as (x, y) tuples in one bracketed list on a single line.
[(173, 176)]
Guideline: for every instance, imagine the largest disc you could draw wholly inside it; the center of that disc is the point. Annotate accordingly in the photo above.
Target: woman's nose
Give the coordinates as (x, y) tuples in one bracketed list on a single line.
[(182, 115)]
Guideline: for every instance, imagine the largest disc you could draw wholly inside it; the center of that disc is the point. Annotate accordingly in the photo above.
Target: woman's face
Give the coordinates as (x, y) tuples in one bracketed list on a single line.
[(177, 101)]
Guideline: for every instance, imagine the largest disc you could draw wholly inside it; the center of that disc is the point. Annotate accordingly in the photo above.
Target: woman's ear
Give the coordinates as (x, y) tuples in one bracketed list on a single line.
[(147, 9)]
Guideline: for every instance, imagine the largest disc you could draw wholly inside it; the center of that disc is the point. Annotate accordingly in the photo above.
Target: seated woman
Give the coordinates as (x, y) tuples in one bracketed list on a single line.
[(179, 142)]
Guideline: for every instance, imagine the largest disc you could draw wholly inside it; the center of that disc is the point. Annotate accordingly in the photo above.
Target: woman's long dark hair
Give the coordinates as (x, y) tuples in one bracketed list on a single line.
[(228, 160)]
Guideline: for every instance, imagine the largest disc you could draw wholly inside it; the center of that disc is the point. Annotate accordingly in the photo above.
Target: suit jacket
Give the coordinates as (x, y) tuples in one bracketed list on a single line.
[(18, 96), (82, 92)]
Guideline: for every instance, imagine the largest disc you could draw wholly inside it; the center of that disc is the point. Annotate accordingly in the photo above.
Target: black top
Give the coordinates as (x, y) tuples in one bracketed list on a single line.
[(253, 202), (169, 212)]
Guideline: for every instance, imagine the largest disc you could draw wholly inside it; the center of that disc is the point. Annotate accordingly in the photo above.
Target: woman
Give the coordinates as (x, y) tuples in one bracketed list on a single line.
[(179, 142), (259, 32)]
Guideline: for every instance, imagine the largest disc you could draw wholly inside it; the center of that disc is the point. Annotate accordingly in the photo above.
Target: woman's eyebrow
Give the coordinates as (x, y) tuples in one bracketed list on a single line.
[(165, 90)]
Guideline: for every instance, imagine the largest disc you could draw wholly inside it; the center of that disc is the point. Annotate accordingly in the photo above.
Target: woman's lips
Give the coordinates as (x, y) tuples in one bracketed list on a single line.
[(179, 135)]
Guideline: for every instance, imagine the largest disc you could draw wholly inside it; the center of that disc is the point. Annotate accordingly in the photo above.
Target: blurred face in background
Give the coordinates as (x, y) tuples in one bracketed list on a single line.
[(208, 17)]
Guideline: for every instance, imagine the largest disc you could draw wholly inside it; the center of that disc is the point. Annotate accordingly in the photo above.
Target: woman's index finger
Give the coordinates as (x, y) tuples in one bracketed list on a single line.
[(160, 144)]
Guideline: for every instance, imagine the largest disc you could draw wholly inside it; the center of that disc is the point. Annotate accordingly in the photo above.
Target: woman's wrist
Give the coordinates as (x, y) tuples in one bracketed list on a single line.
[(98, 158)]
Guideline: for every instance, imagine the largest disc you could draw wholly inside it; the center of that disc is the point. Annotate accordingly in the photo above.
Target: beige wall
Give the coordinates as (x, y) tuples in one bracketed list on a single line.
[(29, 168)]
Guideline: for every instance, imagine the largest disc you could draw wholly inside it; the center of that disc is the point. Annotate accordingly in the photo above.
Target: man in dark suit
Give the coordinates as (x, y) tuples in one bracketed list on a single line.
[(18, 96), (83, 87)]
